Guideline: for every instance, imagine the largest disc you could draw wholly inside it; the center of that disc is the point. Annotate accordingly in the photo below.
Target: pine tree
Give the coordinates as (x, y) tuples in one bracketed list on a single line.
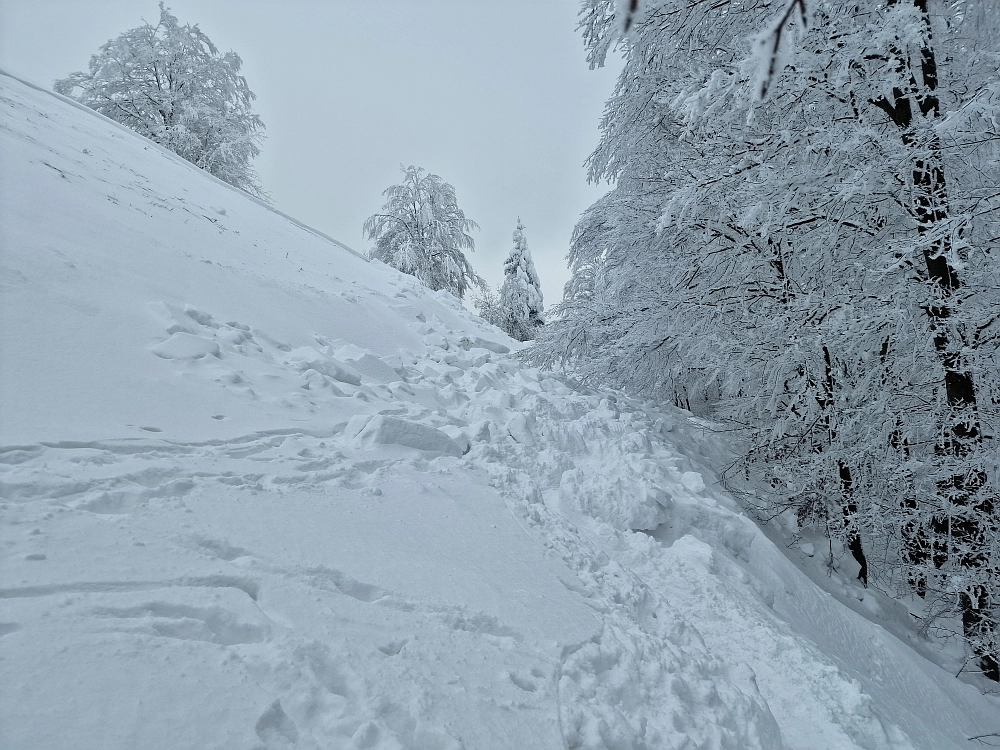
[(520, 303), (170, 84), (421, 231)]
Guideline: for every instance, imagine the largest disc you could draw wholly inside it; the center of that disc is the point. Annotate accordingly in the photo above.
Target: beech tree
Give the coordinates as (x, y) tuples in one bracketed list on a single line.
[(486, 301), (169, 83), (421, 231), (801, 238), (520, 299)]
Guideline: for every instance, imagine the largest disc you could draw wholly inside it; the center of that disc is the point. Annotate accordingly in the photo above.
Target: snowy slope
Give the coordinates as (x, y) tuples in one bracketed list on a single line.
[(256, 492)]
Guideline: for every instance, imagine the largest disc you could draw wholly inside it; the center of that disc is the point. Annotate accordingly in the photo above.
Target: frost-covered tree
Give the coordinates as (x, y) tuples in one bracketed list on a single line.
[(520, 299), (169, 83), (486, 302), (420, 230), (820, 261)]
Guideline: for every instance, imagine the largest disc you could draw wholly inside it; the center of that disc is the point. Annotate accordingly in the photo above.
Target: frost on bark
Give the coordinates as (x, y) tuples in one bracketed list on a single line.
[(956, 529)]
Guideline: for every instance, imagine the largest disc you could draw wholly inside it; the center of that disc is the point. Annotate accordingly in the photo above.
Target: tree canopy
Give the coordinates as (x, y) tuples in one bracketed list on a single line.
[(801, 240), (169, 83), (421, 231)]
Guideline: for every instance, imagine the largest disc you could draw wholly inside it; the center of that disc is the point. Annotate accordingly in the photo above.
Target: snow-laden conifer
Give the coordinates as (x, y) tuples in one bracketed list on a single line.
[(169, 83), (421, 231), (519, 307)]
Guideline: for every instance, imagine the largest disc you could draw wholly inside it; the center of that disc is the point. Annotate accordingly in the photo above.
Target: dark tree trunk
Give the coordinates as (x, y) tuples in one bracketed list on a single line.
[(957, 525), (848, 504), (850, 522)]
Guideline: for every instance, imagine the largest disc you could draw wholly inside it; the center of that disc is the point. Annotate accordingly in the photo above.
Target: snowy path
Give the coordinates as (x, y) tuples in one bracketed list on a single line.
[(340, 577), (183, 522), (256, 492)]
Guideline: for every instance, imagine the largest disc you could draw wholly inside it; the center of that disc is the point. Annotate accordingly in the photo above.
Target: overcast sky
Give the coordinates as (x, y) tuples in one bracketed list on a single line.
[(493, 95)]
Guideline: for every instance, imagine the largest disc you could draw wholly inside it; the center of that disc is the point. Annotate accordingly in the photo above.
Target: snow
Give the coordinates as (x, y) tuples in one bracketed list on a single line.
[(256, 492), (386, 430), (183, 345)]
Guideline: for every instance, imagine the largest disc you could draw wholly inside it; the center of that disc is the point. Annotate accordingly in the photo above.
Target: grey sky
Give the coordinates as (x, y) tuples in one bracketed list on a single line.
[(493, 95)]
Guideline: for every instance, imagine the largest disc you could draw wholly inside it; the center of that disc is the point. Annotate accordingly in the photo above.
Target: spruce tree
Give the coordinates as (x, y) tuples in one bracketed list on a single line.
[(521, 293)]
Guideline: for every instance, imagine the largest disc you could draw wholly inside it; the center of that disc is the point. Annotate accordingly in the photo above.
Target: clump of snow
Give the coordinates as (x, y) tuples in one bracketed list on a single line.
[(475, 342), (367, 364), (387, 430), (308, 358), (182, 345)]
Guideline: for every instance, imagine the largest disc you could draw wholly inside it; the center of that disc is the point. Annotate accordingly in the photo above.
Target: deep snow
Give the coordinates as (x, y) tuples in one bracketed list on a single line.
[(257, 492)]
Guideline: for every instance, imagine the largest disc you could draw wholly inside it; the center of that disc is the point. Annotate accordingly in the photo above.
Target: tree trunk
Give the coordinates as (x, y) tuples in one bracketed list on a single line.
[(849, 505), (958, 524)]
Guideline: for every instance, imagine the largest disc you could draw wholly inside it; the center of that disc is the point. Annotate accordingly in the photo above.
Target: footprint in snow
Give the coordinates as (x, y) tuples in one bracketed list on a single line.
[(275, 729), (523, 682), (220, 549), (393, 647)]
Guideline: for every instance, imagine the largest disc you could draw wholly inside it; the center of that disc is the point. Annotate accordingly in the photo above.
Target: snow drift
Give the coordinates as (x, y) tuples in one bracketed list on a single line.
[(258, 492)]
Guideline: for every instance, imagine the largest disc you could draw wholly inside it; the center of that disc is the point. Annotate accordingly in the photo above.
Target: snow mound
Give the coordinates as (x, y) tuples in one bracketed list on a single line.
[(307, 358), (386, 430), (256, 492), (373, 368), (182, 345)]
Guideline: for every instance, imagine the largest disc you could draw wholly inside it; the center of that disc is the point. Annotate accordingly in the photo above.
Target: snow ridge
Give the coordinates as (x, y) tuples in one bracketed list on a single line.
[(178, 160)]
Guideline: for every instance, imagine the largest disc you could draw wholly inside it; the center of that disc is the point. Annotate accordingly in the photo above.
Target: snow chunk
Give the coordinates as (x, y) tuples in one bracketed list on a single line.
[(521, 428), (385, 430), (356, 424), (371, 367), (624, 502), (185, 346), (693, 481), (436, 340), (308, 358), (475, 342), (458, 435)]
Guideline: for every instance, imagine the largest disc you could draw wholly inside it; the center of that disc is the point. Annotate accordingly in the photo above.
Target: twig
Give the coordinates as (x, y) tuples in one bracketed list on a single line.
[(979, 738), (630, 15), (779, 29), (964, 665)]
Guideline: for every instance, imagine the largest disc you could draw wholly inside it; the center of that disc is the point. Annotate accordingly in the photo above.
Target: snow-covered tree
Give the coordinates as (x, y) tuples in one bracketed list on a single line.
[(169, 83), (420, 230), (520, 302), (486, 301), (820, 259)]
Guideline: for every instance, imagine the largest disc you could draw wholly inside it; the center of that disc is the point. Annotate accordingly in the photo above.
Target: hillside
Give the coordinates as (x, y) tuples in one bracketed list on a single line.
[(257, 492)]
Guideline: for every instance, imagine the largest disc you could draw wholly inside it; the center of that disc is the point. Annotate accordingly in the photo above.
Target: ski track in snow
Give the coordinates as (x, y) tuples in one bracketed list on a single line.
[(430, 547)]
